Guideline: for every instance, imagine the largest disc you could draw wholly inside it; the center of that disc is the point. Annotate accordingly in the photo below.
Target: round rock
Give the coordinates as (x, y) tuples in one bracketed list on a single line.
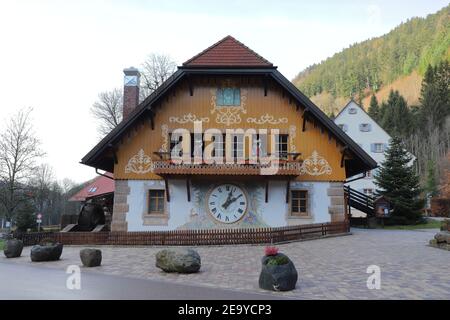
[(442, 237), (179, 260), (278, 277), (91, 257), (50, 252), (13, 248)]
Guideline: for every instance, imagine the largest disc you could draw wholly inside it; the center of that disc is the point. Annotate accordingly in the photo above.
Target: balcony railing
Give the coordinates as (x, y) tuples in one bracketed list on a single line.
[(165, 167)]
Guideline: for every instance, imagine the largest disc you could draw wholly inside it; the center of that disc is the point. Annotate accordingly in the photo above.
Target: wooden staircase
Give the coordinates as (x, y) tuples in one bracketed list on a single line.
[(360, 201)]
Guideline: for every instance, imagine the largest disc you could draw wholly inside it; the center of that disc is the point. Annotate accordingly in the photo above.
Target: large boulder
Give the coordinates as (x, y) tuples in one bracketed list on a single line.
[(179, 260), (13, 248), (91, 257), (48, 252), (442, 237), (277, 277)]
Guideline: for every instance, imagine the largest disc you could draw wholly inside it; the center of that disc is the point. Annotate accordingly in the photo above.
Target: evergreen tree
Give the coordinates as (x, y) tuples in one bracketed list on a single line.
[(25, 218), (374, 109), (396, 116), (397, 182), (431, 182), (435, 96)]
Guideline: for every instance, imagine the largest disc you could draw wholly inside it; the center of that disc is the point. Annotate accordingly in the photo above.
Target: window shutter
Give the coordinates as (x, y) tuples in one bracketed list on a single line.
[(219, 97), (237, 97), (372, 147), (385, 147)]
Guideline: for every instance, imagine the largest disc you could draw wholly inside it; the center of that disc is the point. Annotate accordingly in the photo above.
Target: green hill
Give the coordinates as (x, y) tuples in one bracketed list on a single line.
[(377, 63)]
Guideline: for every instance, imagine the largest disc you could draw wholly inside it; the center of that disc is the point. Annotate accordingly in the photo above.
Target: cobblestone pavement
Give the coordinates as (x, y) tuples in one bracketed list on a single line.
[(332, 268)]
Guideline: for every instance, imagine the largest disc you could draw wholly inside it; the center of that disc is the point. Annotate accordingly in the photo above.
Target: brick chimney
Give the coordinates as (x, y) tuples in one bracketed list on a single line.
[(130, 90)]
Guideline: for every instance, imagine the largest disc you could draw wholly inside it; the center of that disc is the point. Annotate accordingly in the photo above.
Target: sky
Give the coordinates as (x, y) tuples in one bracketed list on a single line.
[(56, 56)]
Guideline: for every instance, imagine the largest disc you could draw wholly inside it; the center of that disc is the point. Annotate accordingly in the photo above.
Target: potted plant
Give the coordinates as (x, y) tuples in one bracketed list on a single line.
[(278, 273)]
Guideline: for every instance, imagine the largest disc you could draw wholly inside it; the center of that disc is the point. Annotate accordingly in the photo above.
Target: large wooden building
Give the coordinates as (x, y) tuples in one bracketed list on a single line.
[(226, 142)]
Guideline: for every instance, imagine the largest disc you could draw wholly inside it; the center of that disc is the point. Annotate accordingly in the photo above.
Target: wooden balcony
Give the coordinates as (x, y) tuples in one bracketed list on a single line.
[(284, 168)]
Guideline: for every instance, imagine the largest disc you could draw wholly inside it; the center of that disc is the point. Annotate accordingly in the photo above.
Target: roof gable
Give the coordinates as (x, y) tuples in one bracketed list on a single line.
[(228, 52), (100, 186), (353, 104)]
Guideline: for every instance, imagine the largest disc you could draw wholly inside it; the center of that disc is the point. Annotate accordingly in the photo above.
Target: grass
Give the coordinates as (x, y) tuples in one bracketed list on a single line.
[(430, 224), (1, 244)]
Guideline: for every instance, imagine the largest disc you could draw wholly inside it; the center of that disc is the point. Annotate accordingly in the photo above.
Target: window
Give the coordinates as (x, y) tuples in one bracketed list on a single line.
[(299, 202), (368, 191), (156, 201), (228, 97), (238, 146), (365, 127), (369, 174), (219, 146), (352, 111), (259, 145), (281, 146), (174, 143), (377, 147), (343, 127)]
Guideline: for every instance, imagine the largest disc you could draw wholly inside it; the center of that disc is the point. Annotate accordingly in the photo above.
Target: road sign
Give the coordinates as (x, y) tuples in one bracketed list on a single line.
[(39, 216), (39, 221)]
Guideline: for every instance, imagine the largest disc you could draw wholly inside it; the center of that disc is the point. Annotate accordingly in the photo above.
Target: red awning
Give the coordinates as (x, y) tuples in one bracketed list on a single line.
[(101, 185)]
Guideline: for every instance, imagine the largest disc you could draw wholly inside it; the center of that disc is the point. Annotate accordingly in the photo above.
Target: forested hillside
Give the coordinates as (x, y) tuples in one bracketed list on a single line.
[(372, 65)]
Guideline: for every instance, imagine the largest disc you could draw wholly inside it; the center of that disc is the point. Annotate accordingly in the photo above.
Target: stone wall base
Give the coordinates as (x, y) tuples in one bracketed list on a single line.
[(120, 208), (337, 207)]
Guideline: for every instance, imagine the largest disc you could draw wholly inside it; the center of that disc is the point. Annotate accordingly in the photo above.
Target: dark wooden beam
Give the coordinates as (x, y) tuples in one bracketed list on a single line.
[(166, 184), (188, 189), (304, 120), (191, 88), (267, 191), (114, 152), (343, 156), (152, 121), (288, 189), (265, 85)]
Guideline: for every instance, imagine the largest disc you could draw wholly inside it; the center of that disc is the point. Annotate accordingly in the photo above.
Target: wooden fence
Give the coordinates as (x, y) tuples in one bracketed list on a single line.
[(191, 237)]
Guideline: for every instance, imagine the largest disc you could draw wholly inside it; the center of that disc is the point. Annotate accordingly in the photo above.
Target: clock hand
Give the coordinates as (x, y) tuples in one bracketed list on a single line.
[(227, 204)]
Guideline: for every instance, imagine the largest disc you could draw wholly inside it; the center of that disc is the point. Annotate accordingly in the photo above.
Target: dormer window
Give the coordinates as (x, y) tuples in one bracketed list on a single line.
[(352, 110), (228, 97), (365, 127), (343, 127)]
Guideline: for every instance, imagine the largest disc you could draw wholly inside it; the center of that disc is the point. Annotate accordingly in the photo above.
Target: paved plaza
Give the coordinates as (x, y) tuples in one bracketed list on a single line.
[(331, 268)]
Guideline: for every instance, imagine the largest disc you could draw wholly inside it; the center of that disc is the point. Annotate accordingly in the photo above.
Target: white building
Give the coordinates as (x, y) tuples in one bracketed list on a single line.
[(365, 131)]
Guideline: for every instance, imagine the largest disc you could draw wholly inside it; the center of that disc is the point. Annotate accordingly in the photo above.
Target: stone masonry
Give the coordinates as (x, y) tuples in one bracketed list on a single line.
[(337, 202), (120, 209)]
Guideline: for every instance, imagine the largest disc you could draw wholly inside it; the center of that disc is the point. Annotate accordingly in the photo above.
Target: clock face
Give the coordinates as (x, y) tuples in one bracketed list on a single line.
[(227, 203)]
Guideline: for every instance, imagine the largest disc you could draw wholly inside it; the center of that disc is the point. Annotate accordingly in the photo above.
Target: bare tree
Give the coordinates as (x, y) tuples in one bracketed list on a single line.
[(154, 71), (41, 185), (108, 110), (19, 150)]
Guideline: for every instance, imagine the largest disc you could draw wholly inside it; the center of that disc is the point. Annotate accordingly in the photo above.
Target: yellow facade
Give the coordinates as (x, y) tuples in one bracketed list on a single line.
[(179, 109)]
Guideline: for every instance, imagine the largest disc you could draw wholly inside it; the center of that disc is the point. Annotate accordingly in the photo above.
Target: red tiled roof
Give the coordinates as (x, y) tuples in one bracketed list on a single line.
[(228, 52), (101, 185)]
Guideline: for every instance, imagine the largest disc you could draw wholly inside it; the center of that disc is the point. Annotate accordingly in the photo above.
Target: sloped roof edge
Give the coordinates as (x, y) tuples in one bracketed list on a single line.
[(116, 133)]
